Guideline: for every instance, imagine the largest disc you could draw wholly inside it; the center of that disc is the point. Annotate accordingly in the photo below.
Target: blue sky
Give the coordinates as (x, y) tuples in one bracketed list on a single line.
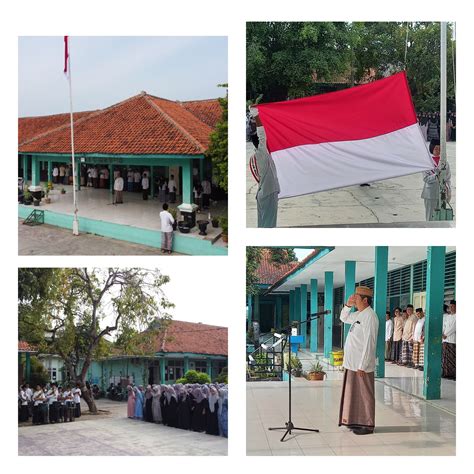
[(106, 70)]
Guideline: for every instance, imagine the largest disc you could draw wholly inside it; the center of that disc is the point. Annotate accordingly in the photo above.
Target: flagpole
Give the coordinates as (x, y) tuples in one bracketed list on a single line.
[(442, 138), (75, 223)]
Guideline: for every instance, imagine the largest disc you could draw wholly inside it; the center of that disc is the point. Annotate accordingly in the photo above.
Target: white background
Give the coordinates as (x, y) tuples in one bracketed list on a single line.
[(206, 17)]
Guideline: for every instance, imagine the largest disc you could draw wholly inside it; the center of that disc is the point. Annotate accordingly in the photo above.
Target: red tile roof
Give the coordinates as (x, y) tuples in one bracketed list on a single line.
[(269, 272), (23, 346), (208, 111), (142, 124), (183, 336)]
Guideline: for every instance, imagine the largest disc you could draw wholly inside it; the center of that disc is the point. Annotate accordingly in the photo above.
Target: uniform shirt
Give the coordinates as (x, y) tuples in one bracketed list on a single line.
[(118, 184), (38, 397), (52, 396), (167, 221), (171, 185), (29, 394), (418, 332), (136, 177), (23, 397), (129, 177), (206, 187), (359, 349), (77, 395), (55, 171), (409, 327), (61, 170), (145, 183), (268, 183), (388, 330), (398, 323), (449, 328)]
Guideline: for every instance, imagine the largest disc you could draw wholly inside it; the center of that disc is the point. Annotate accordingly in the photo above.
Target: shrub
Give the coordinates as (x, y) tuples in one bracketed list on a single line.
[(192, 376)]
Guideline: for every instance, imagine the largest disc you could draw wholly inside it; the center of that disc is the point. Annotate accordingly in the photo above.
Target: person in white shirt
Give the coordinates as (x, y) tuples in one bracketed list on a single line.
[(206, 193), (388, 335), (449, 342), (136, 181), (95, 177), (130, 181), (40, 407), (118, 188), (52, 397), (76, 394), (163, 189), (172, 188), (23, 415), (419, 340), (167, 222), (357, 410), (62, 171), (55, 174), (145, 185), (266, 174)]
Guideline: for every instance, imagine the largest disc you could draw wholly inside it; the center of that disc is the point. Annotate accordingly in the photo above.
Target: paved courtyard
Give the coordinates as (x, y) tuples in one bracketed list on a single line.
[(37, 241), (406, 425), (115, 435), (393, 201)]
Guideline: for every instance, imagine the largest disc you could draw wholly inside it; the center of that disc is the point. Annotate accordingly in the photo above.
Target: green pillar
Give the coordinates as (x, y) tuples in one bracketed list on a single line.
[(35, 171), (50, 171), (313, 340), (249, 311), (111, 180), (304, 311), (163, 370), (256, 309), (21, 373), (186, 364), (187, 190), (380, 306), (27, 366), (291, 315), (152, 182), (25, 168), (278, 312), (328, 318), (434, 322), (297, 305), (349, 287)]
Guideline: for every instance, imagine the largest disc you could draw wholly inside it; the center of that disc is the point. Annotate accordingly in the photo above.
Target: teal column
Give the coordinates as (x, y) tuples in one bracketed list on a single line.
[(209, 367), (291, 315), (304, 311), (111, 180), (186, 364), (163, 370), (380, 306), (256, 309), (434, 322), (313, 340), (25, 168), (297, 306), (188, 182), (349, 287), (27, 367), (278, 312), (328, 318), (78, 173), (35, 171), (50, 171), (152, 182), (249, 311), (20, 368)]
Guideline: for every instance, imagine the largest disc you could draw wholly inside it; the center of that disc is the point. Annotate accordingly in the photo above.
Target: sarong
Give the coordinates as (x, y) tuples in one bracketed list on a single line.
[(388, 350), (449, 360), (118, 197), (407, 352), (418, 354), (166, 240), (396, 350), (357, 400)]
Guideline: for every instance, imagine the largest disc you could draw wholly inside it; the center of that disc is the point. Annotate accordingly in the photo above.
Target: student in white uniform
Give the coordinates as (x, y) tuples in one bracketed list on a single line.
[(40, 408), (419, 340), (449, 342), (136, 181), (145, 185), (23, 414), (118, 189), (357, 410), (55, 174), (206, 193), (130, 181), (167, 222), (172, 188), (388, 335), (76, 393)]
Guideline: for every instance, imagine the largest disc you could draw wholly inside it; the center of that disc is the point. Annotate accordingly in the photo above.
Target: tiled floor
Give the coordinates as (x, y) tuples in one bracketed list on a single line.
[(405, 425)]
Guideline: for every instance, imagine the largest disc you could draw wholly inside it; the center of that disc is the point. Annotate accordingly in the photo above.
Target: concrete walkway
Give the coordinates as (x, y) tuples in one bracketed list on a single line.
[(393, 201), (38, 240), (115, 435), (405, 424)]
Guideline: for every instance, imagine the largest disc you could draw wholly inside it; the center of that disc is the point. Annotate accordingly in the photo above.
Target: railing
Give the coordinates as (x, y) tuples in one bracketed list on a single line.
[(35, 218), (264, 365)]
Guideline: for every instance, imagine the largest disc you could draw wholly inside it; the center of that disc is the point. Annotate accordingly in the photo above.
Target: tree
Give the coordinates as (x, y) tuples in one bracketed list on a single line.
[(218, 149), (82, 309)]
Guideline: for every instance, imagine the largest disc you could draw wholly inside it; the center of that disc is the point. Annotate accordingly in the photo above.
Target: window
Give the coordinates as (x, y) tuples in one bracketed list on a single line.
[(200, 366), (174, 370), (52, 374)]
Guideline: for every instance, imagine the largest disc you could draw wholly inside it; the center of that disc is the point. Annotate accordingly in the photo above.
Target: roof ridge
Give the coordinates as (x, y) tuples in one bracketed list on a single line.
[(166, 116), (199, 100)]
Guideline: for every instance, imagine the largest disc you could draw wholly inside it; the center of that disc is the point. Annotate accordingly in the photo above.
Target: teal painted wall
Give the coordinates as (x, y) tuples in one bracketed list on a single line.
[(152, 238)]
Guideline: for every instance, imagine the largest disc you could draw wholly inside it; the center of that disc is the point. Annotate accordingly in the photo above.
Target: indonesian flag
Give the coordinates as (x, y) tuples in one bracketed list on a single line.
[(359, 135), (66, 54)]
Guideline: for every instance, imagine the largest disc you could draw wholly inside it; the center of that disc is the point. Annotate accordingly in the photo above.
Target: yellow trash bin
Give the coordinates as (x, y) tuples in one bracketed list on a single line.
[(335, 358)]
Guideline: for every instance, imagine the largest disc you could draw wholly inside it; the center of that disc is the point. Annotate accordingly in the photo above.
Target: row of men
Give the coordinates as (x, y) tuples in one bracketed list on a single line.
[(196, 407), (430, 125), (405, 337), (49, 403)]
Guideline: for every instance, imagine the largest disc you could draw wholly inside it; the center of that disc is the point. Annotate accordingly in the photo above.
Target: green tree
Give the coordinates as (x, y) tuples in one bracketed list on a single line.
[(82, 309), (218, 150)]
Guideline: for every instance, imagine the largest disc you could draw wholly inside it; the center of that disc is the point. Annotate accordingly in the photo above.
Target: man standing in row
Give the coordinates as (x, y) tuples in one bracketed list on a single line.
[(388, 335), (407, 338), (398, 323), (419, 340), (449, 342), (357, 410)]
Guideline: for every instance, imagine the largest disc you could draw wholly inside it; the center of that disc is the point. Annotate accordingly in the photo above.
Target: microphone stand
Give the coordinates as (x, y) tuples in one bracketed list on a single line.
[(289, 426)]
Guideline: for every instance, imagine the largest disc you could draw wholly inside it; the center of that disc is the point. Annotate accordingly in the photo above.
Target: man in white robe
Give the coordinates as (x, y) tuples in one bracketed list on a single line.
[(357, 410)]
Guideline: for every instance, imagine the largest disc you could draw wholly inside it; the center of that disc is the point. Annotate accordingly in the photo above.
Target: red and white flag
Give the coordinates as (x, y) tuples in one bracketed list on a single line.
[(359, 135), (66, 54)]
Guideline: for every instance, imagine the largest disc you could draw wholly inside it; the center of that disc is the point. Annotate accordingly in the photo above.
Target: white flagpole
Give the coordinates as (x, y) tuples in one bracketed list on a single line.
[(75, 223), (442, 118)]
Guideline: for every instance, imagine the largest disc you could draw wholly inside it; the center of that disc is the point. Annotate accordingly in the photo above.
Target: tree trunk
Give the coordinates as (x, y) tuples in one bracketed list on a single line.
[(88, 398)]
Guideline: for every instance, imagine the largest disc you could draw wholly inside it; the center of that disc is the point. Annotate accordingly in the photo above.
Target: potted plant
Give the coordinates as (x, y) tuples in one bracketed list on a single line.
[(215, 222), (296, 366), (63, 191), (27, 198), (174, 213), (47, 199), (202, 224), (316, 372), (225, 228)]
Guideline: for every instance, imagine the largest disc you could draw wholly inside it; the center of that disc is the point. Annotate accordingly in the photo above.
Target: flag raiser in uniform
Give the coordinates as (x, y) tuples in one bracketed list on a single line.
[(359, 135)]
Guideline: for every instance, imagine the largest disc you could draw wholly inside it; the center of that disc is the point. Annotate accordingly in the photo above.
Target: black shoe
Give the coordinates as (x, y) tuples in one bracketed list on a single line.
[(362, 431), (420, 368)]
